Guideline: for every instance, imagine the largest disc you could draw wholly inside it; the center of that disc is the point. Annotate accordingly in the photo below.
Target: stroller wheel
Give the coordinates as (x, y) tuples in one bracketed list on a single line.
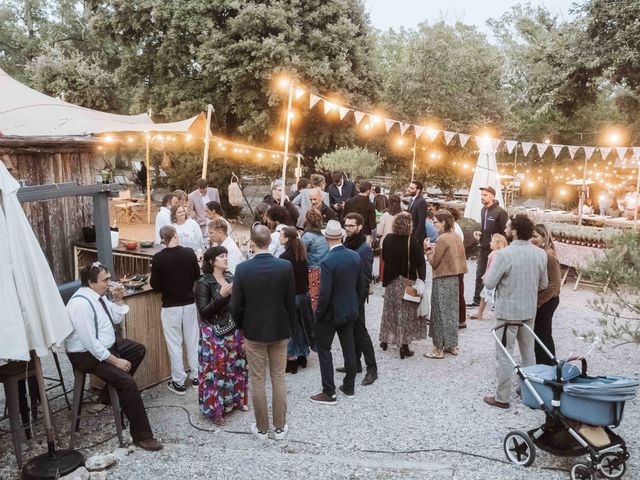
[(612, 465), (582, 470), (519, 448)]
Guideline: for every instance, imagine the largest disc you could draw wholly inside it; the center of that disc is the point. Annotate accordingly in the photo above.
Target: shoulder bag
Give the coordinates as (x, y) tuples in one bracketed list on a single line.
[(410, 292)]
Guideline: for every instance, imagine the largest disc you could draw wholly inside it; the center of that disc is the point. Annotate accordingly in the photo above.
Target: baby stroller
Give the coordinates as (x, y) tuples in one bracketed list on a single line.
[(580, 411)]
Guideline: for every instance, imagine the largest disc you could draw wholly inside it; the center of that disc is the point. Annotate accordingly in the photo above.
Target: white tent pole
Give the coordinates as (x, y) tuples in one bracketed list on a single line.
[(286, 143), (207, 135), (413, 162), (635, 214), (298, 171), (582, 190), (147, 137)]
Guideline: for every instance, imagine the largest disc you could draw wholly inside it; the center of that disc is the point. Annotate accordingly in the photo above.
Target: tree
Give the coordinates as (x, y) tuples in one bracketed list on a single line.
[(355, 162)]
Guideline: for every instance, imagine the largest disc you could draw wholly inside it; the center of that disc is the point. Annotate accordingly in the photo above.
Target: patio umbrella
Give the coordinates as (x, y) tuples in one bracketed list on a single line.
[(36, 318), (486, 175)]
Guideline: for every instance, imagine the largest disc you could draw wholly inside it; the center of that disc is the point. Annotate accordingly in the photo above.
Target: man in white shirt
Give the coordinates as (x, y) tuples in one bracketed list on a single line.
[(94, 348), (163, 218), (198, 200), (218, 235), (214, 210), (277, 217)]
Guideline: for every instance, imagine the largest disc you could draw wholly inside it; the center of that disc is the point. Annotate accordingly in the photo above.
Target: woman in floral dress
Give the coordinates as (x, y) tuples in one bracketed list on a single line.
[(223, 365)]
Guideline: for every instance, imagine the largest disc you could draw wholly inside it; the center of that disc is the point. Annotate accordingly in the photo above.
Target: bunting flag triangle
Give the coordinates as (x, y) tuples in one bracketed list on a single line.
[(622, 151), (432, 133), (299, 92), (511, 145), (359, 116), (419, 130), (343, 111), (328, 106), (495, 143), (542, 148), (448, 136), (605, 151), (636, 151), (388, 124), (464, 138), (404, 127), (526, 148), (557, 149), (313, 99), (573, 150), (588, 151)]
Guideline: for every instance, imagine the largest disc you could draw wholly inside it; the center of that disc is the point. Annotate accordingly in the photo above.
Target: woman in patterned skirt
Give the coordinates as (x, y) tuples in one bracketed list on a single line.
[(317, 249), (223, 364), (403, 264), (448, 261)]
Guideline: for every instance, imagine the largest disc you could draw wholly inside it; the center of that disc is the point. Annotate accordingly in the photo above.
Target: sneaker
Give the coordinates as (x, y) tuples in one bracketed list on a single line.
[(194, 382), (324, 399), (281, 433), (258, 434), (348, 393), (175, 388)]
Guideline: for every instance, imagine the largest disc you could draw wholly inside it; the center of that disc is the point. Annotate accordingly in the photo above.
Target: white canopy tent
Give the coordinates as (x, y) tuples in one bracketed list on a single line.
[(485, 175)]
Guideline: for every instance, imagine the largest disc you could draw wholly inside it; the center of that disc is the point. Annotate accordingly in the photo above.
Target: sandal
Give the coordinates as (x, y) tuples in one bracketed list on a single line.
[(219, 421), (474, 316), (452, 350), (434, 354)]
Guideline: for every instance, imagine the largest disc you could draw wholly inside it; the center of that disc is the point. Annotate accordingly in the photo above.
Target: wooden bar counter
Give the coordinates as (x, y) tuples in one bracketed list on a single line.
[(142, 324)]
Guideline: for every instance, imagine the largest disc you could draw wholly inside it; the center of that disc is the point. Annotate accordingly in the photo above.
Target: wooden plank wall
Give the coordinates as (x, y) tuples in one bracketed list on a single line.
[(57, 223)]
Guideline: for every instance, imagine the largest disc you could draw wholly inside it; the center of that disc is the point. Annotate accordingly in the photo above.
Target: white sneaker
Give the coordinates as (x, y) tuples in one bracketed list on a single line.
[(281, 434), (259, 435)]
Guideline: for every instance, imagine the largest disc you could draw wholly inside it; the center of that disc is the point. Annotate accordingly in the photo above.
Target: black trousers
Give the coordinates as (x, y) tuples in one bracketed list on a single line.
[(481, 268), (325, 331), (363, 344), (123, 382), (543, 329)]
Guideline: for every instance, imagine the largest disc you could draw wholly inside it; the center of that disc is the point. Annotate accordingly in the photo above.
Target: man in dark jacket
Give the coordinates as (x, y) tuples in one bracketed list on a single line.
[(342, 284), (357, 242), (418, 210), (362, 205), (315, 197), (266, 315), (340, 191), (276, 196), (493, 219)]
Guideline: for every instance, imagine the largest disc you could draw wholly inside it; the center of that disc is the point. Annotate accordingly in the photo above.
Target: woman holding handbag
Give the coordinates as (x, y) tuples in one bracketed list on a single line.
[(448, 261), (404, 265), (223, 365)]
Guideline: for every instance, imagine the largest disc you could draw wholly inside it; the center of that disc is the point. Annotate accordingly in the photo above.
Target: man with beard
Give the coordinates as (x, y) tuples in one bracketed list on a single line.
[(493, 219), (340, 191), (356, 241), (518, 273), (418, 210)]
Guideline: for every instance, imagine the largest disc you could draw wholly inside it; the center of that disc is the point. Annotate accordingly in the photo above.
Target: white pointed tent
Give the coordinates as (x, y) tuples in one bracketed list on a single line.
[(486, 175)]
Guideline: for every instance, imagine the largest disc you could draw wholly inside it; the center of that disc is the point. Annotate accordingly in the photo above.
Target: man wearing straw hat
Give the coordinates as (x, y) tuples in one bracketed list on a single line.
[(342, 284)]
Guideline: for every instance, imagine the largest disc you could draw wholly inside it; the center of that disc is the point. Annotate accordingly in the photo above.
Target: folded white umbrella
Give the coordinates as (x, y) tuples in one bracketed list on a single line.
[(485, 175)]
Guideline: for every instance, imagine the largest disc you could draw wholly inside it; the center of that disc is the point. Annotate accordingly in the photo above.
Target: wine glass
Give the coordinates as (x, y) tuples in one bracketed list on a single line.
[(477, 235)]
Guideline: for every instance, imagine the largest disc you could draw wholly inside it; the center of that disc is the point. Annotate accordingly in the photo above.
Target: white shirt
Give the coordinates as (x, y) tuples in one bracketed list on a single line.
[(190, 234), (163, 218), (234, 255), (275, 248), (458, 231), (205, 198), (83, 338)]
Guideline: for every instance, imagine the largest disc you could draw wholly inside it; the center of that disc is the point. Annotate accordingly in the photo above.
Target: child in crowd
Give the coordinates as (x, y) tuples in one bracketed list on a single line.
[(498, 242)]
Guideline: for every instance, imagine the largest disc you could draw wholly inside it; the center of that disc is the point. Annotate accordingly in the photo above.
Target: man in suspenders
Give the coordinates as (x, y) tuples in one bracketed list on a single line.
[(94, 348)]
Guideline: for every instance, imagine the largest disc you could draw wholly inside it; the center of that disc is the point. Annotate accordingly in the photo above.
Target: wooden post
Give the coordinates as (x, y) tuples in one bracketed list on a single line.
[(413, 162), (286, 143), (207, 135), (147, 137)]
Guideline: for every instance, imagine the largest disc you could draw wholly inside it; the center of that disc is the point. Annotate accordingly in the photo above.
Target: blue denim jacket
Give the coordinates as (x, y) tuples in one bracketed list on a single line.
[(317, 248), (432, 233)]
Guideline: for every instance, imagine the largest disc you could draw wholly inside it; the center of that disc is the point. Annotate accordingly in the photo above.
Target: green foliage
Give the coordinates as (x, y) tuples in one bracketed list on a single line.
[(355, 162), (619, 269)]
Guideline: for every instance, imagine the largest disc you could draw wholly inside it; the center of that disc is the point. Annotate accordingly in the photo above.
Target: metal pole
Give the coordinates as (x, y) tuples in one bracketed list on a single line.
[(147, 160), (582, 190), (298, 171), (635, 214), (103, 232), (207, 135), (413, 163), (513, 180), (286, 144)]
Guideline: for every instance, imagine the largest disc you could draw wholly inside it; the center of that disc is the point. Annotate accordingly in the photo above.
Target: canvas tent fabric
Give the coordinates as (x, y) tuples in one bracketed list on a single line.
[(485, 175), (25, 112), (34, 316)]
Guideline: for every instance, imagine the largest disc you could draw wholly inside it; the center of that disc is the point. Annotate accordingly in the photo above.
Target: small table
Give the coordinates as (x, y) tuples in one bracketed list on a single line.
[(576, 257)]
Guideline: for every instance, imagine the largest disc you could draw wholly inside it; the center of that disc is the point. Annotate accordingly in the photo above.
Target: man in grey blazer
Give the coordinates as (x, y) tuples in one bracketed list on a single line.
[(198, 200), (518, 273)]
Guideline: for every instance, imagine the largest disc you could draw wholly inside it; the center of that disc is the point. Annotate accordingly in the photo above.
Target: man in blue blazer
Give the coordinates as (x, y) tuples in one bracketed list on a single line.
[(263, 305), (418, 211), (342, 284), (340, 191)]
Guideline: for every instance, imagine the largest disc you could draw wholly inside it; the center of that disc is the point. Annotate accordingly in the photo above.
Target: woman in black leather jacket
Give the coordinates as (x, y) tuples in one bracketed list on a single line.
[(223, 364)]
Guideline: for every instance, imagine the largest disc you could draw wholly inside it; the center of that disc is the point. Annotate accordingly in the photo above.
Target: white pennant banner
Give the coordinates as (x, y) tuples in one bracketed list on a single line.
[(299, 92), (511, 145), (605, 151), (557, 149), (388, 124), (573, 150), (359, 116), (313, 99), (419, 130), (464, 138), (433, 133), (589, 151), (526, 148), (542, 148), (448, 136), (495, 143), (343, 112), (404, 127), (622, 151), (636, 151), (328, 106)]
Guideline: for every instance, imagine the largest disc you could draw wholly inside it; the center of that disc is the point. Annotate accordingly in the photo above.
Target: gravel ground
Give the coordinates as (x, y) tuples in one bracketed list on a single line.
[(422, 419)]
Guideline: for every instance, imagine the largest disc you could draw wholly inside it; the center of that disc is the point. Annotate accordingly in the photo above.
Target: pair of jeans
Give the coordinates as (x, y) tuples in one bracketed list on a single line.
[(481, 268), (325, 331), (122, 381), (259, 354)]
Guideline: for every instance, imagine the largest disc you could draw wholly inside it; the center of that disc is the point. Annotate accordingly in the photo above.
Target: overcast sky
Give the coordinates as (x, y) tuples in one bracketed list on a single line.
[(387, 14)]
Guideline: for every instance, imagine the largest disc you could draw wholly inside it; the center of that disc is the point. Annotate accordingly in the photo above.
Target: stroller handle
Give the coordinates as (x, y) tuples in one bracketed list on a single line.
[(502, 342)]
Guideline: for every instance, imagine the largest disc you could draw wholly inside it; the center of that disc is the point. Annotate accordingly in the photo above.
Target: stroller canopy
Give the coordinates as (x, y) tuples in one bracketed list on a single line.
[(607, 389)]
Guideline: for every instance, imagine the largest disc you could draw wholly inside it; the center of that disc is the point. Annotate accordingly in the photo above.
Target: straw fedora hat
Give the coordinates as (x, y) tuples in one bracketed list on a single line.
[(334, 230)]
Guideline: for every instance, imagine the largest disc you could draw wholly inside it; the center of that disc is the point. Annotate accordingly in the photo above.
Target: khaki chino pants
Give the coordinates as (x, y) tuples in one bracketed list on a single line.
[(274, 354), (504, 367)]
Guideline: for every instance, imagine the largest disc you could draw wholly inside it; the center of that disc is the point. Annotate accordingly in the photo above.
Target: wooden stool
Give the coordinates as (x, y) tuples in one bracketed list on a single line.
[(10, 376), (78, 393)]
